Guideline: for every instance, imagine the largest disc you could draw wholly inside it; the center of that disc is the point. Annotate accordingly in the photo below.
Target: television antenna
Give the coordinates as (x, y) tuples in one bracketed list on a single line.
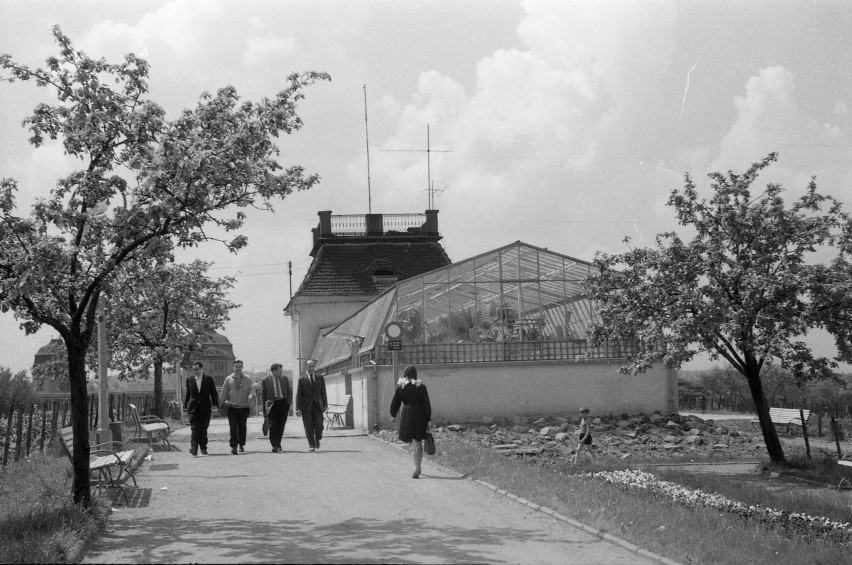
[(429, 187), (435, 191)]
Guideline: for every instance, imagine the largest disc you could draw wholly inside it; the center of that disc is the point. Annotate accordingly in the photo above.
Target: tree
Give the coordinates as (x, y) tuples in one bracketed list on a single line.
[(746, 288), (185, 173), (15, 388), (159, 312)]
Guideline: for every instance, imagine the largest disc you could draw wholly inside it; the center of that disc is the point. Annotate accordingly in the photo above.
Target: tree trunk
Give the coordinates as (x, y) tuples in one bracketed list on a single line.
[(158, 387), (81, 489), (761, 406)]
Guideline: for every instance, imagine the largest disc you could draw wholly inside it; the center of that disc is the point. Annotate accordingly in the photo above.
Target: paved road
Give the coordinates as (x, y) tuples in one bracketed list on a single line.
[(352, 501)]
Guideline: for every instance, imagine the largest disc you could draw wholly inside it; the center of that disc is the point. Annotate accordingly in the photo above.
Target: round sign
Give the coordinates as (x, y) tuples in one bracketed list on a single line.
[(393, 330)]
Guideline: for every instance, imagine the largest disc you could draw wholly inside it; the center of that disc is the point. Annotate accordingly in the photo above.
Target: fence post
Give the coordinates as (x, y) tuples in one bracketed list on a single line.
[(43, 425), (30, 428), (805, 432), (8, 434), (836, 438), (19, 432)]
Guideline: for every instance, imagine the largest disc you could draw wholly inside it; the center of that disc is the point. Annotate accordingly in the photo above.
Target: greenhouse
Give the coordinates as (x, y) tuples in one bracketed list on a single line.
[(515, 303)]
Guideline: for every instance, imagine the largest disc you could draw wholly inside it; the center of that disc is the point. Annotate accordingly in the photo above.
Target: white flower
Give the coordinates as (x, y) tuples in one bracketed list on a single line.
[(695, 497)]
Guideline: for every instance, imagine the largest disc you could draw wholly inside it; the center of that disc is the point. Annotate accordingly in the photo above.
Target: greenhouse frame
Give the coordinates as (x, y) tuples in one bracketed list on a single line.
[(515, 303)]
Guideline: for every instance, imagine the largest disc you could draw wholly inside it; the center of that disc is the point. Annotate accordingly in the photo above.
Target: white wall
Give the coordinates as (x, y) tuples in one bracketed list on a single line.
[(466, 393)]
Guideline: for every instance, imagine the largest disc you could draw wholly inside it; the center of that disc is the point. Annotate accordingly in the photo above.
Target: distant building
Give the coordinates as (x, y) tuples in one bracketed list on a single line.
[(51, 380), (217, 355)]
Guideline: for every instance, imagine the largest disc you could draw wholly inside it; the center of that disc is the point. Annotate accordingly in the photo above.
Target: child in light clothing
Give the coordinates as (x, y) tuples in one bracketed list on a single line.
[(585, 433)]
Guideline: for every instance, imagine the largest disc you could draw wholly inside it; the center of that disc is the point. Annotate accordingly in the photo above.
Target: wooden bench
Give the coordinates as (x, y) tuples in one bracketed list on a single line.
[(101, 462), (785, 416), (843, 462), (337, 412), (148, 426)]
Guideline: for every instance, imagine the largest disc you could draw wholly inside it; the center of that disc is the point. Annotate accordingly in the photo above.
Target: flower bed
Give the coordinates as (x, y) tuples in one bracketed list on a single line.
[(800, 524)]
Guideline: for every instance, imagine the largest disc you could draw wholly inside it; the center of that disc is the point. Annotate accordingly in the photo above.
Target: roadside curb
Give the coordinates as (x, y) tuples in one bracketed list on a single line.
[(552, 513)]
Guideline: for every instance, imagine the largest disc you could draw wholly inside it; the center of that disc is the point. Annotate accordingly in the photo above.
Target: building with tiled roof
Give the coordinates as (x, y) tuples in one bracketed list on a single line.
[(356, 258), (216, 353), (51, 374)]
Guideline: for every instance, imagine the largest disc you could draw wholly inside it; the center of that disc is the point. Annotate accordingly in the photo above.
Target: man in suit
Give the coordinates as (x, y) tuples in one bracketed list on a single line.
[(277, 396), (311, 402), (200, 398)]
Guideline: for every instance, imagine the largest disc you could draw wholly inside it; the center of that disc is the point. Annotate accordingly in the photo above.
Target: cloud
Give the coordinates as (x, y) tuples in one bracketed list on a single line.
[(260, 50), (180, 28), (769, 118)]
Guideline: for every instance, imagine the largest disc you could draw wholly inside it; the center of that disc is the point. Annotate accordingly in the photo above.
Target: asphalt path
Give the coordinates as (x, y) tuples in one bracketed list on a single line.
[(352, 501)]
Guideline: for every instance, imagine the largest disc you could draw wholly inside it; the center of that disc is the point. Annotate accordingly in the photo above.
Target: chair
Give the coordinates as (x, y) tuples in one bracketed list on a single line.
[(335, 413), (148, 426)]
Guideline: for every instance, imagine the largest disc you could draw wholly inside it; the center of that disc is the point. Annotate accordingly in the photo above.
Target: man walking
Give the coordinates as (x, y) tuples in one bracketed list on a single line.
[(237, 394), (198, 402), (276, 396), (311, 402)]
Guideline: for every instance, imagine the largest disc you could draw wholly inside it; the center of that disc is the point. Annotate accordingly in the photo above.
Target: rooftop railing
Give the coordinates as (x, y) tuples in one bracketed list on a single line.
[(361, 225)]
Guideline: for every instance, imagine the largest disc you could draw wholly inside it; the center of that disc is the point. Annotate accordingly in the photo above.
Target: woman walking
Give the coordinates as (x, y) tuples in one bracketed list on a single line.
[(412, 396)]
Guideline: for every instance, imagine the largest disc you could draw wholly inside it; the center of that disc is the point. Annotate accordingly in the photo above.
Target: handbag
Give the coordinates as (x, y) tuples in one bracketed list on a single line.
[(429, 444), (223, 409)]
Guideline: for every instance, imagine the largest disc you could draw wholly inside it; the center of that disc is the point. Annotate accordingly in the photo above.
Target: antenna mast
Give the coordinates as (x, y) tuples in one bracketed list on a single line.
[(367, 132), (429, 151)]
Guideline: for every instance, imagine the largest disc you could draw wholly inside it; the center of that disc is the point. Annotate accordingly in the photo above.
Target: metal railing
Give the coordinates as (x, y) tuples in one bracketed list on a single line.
[(578, 351), (355, 225)]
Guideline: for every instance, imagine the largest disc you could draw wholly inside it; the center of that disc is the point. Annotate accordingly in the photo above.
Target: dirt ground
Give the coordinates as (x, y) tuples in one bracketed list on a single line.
[(711, 439)]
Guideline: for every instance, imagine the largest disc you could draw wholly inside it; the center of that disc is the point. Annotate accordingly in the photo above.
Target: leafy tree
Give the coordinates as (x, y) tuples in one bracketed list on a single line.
[(745, 288), (15, 388), (158, 313), (185, 174)]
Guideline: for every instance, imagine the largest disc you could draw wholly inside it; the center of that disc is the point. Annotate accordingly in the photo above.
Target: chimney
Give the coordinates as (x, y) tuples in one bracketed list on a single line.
[(431, 227), (325, 223)]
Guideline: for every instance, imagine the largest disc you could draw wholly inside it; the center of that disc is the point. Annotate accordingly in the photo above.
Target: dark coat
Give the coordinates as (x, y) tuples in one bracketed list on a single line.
[(202, 401), (307, 395), (416, 411)]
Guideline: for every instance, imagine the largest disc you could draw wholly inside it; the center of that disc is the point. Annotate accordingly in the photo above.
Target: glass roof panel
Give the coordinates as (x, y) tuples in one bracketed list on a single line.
[(515, 293)]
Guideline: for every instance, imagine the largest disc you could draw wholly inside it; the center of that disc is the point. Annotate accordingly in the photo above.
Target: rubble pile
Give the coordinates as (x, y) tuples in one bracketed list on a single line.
[(637, 437)]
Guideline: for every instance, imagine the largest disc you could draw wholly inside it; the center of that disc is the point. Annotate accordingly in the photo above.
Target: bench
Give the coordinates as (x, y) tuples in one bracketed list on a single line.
[(102, 461), (336, 412), (149, 426), (786, 416), (843, 463)]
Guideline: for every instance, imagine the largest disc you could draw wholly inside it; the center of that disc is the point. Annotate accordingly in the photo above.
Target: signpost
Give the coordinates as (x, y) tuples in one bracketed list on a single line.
[(393, 331)]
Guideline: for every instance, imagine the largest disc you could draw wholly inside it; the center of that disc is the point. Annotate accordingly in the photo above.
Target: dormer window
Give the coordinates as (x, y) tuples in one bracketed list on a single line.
[(385, 277)]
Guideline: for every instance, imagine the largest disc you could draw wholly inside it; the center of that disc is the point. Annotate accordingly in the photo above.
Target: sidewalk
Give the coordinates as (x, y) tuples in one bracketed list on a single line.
[(352, 501)]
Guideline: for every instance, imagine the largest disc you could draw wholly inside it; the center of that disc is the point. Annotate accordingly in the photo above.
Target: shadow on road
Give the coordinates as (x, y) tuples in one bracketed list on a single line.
[(405, 540)]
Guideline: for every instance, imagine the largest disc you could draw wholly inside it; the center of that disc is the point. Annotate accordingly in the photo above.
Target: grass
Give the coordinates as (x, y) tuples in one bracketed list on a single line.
[(38, 521), (688, 535)]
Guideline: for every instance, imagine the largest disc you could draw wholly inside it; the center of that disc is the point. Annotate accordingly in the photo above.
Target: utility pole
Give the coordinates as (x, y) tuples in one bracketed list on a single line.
[(103, 378)]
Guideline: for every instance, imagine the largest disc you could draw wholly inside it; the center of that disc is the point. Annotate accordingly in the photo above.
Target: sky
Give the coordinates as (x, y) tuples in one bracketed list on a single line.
[(562, 124)]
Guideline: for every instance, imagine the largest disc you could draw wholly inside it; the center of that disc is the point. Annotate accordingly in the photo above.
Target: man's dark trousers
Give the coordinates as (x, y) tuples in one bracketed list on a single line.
[(198, 424), (312, 419), (277, 420)]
